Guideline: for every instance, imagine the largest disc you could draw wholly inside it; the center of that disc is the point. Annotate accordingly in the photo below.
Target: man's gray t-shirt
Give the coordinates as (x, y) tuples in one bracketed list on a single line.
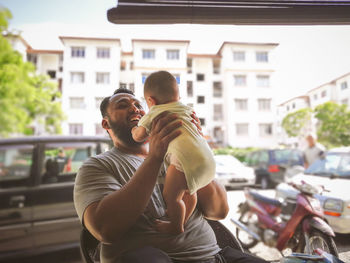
[(101, 175)]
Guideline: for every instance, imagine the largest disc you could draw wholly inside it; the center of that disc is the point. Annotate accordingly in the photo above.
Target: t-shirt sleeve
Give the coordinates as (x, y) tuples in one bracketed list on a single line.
[(93, 182)]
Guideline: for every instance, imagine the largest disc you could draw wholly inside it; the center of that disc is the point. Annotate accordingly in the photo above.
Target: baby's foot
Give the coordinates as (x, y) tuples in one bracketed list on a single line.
[(167, 227)]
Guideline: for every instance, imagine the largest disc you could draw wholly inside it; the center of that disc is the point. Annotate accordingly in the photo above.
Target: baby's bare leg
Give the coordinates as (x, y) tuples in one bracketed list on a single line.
[(175, 187)]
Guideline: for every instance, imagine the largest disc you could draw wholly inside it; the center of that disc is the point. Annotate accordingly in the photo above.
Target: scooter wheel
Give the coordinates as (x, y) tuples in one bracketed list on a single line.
[(318, 239), (246, 240)]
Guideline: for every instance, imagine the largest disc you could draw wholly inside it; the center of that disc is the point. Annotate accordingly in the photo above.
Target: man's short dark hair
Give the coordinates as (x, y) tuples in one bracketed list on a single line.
[(105, 102)]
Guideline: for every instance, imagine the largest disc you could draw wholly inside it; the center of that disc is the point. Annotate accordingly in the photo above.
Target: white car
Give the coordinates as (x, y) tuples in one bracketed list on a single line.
[(231, 173), (332, 174)]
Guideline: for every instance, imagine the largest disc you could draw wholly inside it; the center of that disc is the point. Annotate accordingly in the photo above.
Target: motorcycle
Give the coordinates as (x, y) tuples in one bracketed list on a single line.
[(297, 225)]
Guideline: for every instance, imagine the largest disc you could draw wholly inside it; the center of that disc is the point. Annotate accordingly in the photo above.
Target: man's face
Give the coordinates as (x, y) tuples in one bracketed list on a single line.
[(310, 140), (124, 112)]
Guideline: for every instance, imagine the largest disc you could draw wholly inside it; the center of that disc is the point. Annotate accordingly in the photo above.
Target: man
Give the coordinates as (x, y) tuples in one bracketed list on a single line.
[(314, 151), (117, 196)]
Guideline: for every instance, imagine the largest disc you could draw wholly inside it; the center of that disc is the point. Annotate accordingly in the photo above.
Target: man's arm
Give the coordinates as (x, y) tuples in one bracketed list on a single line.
[(110, 218), (212, 200)]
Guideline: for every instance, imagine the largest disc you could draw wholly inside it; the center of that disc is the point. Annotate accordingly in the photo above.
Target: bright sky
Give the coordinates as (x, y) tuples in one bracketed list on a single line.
[(306, 57)]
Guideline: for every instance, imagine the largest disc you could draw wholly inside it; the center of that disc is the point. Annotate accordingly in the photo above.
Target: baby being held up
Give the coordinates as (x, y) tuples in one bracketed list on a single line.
[(189, 159)]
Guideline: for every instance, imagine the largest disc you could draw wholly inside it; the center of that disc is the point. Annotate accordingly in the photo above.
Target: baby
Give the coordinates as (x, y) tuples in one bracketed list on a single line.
[(189, 160)]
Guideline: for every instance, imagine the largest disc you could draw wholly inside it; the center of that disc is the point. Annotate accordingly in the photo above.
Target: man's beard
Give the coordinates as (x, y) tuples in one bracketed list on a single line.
[(123, 133)]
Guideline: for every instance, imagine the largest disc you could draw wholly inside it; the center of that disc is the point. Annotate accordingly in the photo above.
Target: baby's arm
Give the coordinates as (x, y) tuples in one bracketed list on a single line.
[(139, 133)]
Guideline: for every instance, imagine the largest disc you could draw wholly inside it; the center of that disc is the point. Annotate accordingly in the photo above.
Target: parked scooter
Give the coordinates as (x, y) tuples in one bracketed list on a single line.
[(299, 225)]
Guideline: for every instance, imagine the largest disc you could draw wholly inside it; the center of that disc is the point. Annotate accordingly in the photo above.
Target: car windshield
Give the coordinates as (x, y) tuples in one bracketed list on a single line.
[(333, 165)]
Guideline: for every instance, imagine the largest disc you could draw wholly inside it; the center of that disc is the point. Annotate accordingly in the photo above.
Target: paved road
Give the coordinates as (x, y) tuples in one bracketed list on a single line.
[(236, 197)]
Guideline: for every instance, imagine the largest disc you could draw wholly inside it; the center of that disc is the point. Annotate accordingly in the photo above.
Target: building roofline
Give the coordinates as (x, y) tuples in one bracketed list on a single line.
[(62, 38), (44, 51), (203, 55), (160, 40), (294, 98), (329, 82), (9, 34), (245, 43)]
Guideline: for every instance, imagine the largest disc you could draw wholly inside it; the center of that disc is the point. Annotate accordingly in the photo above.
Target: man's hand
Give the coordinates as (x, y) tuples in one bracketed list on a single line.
[(164, 130)]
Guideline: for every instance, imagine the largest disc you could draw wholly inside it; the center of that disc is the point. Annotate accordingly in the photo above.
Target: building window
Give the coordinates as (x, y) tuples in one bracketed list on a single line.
[(323, 93), (102, 78), (122, 65), (218, 134), (264, 104), (265, 129), (288, 108), (77, 103), (144, 77), (242, 129), (189, 65), (293, 106), (189, 88), (216, 66), (77, 77), (78, 52), (99, 129), (202, 120), (262, 56), (217, 89), (343, 85), (239, 56), (218, 112), (98, 101), (52, 74), (173, 54), (132, 87), (200, 77), (241, 104), (262, 81), (103, 52), (76, 129), (177, 77), (60, 85), (315, 96), (33, 58), (240, 80), (200, 99), (122, 85), (131, 65), (148, 54)]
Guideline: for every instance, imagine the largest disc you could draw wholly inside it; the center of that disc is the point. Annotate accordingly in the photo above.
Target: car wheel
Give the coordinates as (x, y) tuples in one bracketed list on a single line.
[(264, 182)]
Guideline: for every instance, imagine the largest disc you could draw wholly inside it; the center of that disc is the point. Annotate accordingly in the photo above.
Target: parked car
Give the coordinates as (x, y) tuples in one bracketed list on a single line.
[(332, 175), (36, 192), (267, 165), (231, 173)]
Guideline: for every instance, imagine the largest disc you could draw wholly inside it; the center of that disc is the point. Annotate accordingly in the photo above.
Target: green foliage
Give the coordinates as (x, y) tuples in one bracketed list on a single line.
[(25, 97), (239, 153), (333, 128), (295, 122)]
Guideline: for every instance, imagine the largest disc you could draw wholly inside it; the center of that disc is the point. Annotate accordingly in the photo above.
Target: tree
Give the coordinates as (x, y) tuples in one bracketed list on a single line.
[(296, 123), (25, 97), (333, 127)]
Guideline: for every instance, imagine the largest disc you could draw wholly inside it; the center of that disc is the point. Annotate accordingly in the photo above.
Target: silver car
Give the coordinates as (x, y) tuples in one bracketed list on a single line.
[(332, 175), (231, 173)]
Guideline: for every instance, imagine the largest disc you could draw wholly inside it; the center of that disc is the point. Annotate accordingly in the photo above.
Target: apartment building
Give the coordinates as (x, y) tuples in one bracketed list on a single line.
[(249, 101), (91, 68), (231, 91), (336, 90)]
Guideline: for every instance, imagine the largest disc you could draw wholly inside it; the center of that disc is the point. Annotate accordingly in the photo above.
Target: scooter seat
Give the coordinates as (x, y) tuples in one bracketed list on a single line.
[(265, 199)]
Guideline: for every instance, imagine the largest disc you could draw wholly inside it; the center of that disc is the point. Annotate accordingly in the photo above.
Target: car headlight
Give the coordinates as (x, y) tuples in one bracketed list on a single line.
[(333, 205)]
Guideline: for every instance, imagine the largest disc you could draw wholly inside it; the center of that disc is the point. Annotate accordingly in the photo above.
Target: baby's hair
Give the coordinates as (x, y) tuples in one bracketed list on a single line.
[(162, 85)]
